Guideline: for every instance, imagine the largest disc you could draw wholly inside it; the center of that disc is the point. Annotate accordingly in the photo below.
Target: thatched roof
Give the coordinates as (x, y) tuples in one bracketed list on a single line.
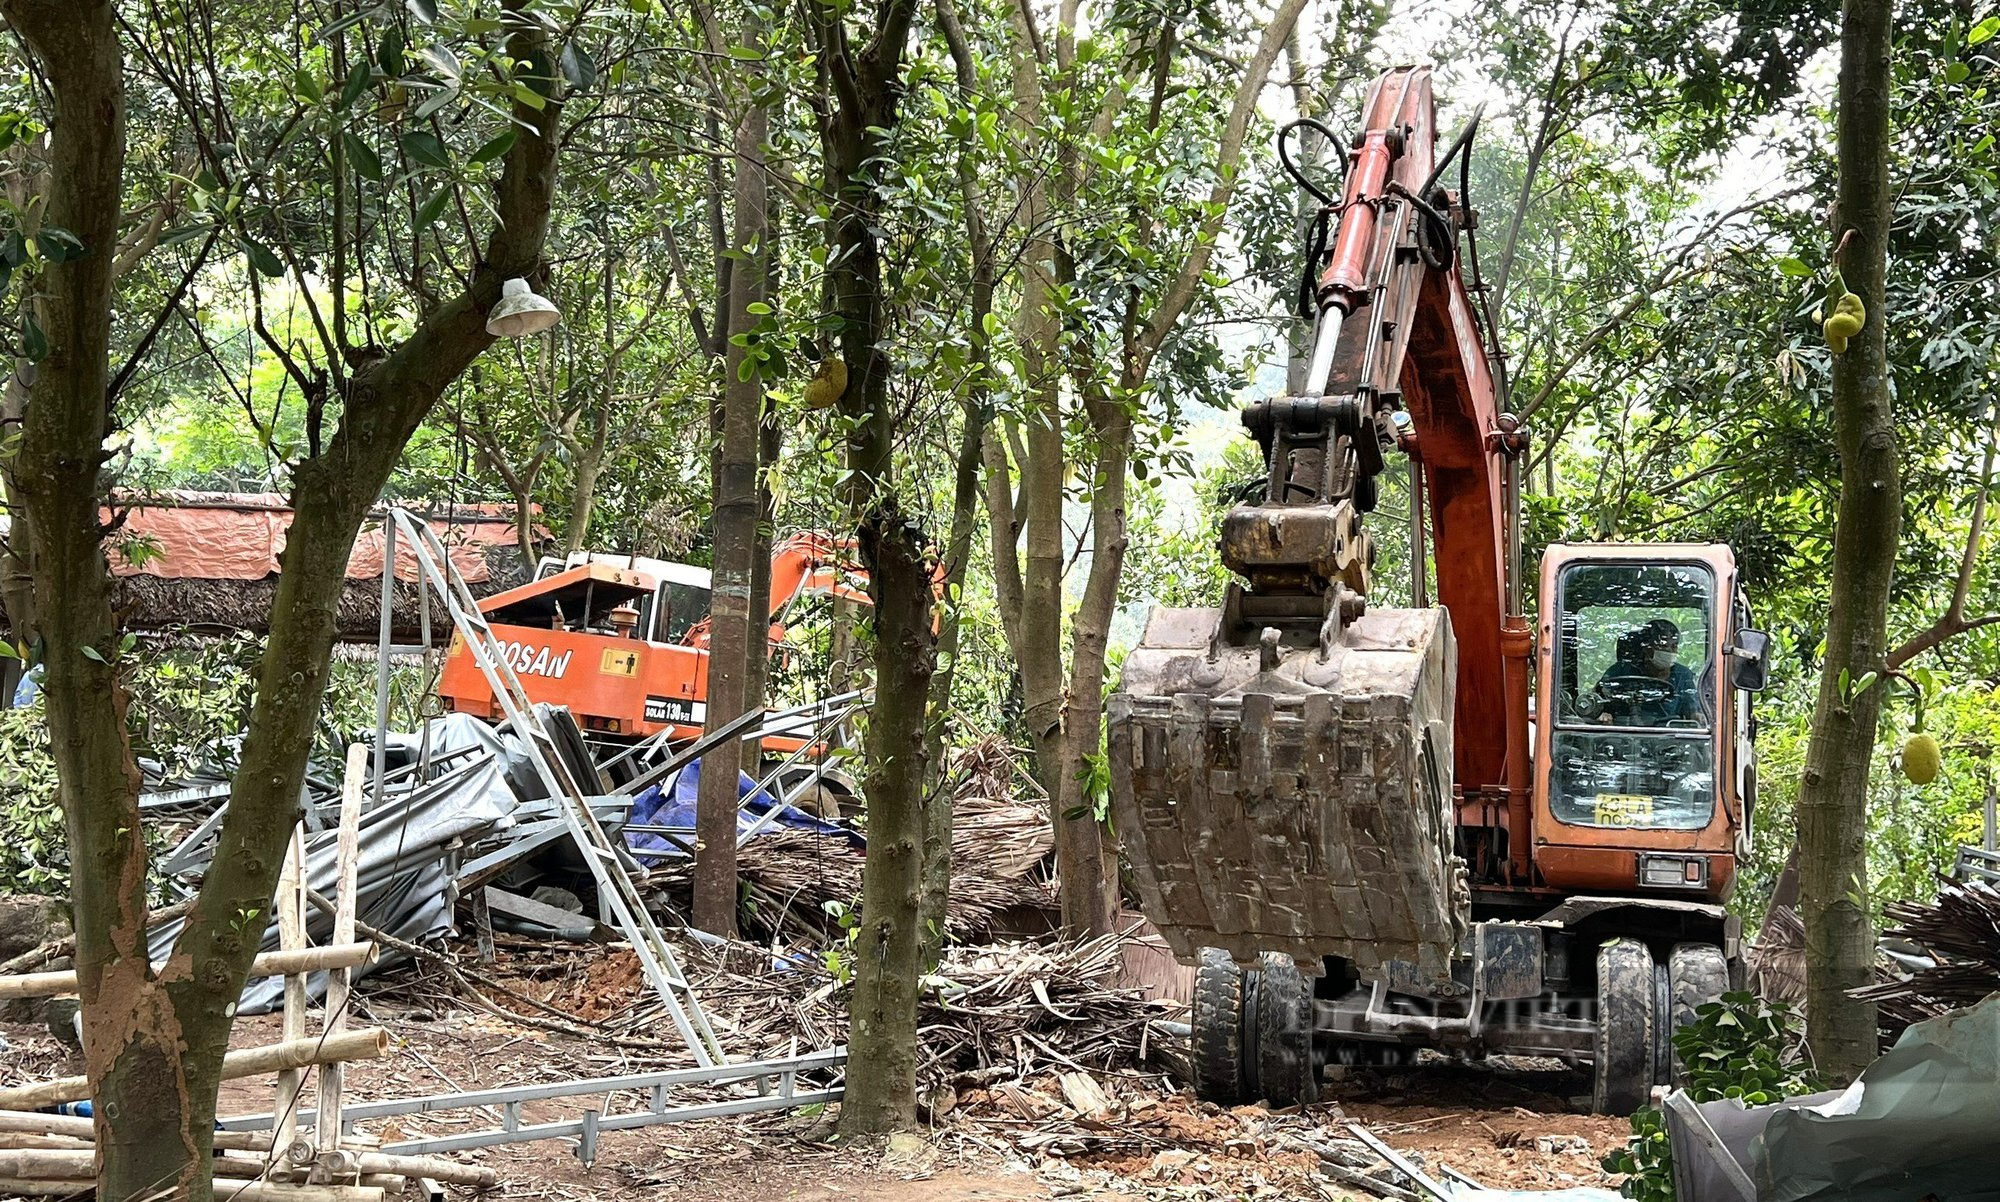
[(161, 604)]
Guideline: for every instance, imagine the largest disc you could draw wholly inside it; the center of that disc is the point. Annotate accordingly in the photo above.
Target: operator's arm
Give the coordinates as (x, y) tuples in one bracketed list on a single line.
[(1687, 700)]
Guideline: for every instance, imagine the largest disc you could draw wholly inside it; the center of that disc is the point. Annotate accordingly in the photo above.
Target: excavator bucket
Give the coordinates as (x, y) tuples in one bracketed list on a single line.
[(1293, 799)]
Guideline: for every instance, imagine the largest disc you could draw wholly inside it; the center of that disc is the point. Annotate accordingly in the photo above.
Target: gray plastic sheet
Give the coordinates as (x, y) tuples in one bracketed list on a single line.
[(403, 885), (1923, 1121)]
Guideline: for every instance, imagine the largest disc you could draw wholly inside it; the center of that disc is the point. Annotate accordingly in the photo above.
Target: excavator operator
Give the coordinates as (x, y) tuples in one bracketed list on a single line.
[(1648, 686)]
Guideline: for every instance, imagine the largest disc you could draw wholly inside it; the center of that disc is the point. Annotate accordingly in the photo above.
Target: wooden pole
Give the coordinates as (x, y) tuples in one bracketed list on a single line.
[(271, 964), (17, 1140), (370, 1043), (338, 982), (47, 1124), (291, 937)]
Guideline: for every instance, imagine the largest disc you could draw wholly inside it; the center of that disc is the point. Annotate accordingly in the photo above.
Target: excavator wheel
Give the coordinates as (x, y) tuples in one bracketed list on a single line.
[(1697, 973), (1216, 1016), (1286, 1073), (1623, 1054)]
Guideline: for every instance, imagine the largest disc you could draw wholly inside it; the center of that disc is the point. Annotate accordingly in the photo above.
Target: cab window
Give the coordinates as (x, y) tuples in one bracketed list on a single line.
[(1636, 643), (1633, 744)]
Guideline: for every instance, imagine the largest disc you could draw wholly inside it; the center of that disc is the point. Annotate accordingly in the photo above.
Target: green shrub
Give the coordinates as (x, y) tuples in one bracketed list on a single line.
[(34, 856), (1740, 1047)]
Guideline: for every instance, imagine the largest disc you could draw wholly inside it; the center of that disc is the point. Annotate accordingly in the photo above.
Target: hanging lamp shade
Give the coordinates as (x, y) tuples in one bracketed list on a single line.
[(521, 312)]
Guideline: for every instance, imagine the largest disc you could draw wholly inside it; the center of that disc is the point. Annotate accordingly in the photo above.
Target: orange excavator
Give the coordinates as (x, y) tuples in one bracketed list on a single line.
[(625, 648), (1375, 830)]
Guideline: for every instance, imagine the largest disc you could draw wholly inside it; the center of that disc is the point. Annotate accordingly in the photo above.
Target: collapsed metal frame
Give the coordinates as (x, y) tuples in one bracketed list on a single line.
[(657, 961), (775, 1082)]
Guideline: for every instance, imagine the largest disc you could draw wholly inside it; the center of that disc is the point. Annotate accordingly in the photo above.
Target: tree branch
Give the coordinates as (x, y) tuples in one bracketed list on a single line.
[(1181, 291), (1676, 260), (1953, 621)]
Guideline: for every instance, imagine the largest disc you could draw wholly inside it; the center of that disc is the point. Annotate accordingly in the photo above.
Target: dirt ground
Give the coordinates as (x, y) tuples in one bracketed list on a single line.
[(1009, 1141)]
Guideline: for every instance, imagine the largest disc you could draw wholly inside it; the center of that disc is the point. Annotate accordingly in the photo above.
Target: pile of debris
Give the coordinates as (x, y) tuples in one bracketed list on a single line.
[(796, 880), (1079, 1133), (1943, 956), (988, 1012)]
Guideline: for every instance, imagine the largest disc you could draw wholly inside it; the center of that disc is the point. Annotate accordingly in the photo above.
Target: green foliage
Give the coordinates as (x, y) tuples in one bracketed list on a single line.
[(34, 857), (1741, 1047)]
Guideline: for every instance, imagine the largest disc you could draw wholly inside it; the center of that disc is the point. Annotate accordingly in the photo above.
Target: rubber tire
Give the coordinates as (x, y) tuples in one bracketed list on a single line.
[(1215, 1044), (1622, 1046), (1286, 1073), (1697, 973)]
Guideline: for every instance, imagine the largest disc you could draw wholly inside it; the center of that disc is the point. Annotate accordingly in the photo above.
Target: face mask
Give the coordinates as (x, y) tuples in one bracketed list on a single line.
[(1663, 658)]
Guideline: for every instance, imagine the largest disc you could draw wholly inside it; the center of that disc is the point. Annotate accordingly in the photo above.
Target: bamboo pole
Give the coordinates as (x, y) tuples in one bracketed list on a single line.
[(333, 957), (291, 937), (65, 1126), (228, 1190), (377, 1164), (349, 846), (47, 1124), (284, 1191), (449, 1171), (370, 1043), (18, 1140), (42, 1164)]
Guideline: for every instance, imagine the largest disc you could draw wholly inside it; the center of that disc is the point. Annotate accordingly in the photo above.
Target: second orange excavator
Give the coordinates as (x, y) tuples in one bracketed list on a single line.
[(623, 642)]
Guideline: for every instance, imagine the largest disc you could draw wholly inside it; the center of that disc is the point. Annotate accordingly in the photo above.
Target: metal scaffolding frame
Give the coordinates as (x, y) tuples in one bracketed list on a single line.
[(761, 1085), (776, 1083)]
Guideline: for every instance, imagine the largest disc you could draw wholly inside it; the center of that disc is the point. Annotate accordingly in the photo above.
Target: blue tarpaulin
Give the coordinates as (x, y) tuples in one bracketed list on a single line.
[(672, 803)]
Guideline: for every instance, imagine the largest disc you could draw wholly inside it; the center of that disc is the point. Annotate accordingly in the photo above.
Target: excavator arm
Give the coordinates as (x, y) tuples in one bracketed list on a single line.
[(806, 563), (1398, 334), (1283, 767)]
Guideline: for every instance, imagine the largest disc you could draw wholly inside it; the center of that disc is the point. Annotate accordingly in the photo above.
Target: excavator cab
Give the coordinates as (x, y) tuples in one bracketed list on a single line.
[(1644, 757), (1374, 830)]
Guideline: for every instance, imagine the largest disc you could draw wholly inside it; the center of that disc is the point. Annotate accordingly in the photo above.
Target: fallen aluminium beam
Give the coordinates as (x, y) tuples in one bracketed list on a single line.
[(776, 1082)]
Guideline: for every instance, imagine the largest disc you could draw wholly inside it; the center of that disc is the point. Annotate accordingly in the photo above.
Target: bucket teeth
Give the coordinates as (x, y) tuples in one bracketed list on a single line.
[(1303, 810)]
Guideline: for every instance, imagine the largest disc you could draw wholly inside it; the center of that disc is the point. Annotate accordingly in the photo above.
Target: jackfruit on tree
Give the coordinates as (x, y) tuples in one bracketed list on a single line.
[(1848, 316), (827, 384), (1921, 758)]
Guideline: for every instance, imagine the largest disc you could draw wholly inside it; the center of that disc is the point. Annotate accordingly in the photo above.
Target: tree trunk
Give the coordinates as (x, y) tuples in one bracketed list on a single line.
[(859, 91), (770, 443), (732, 625), (757, 652), (1036, 632), (1833, 794), (1090, 901), (583, 493), (883, 1028), (976, 413), (154, 1042)]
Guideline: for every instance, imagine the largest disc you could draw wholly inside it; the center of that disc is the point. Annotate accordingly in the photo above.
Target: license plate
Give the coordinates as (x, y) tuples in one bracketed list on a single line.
[(1624, 809)]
